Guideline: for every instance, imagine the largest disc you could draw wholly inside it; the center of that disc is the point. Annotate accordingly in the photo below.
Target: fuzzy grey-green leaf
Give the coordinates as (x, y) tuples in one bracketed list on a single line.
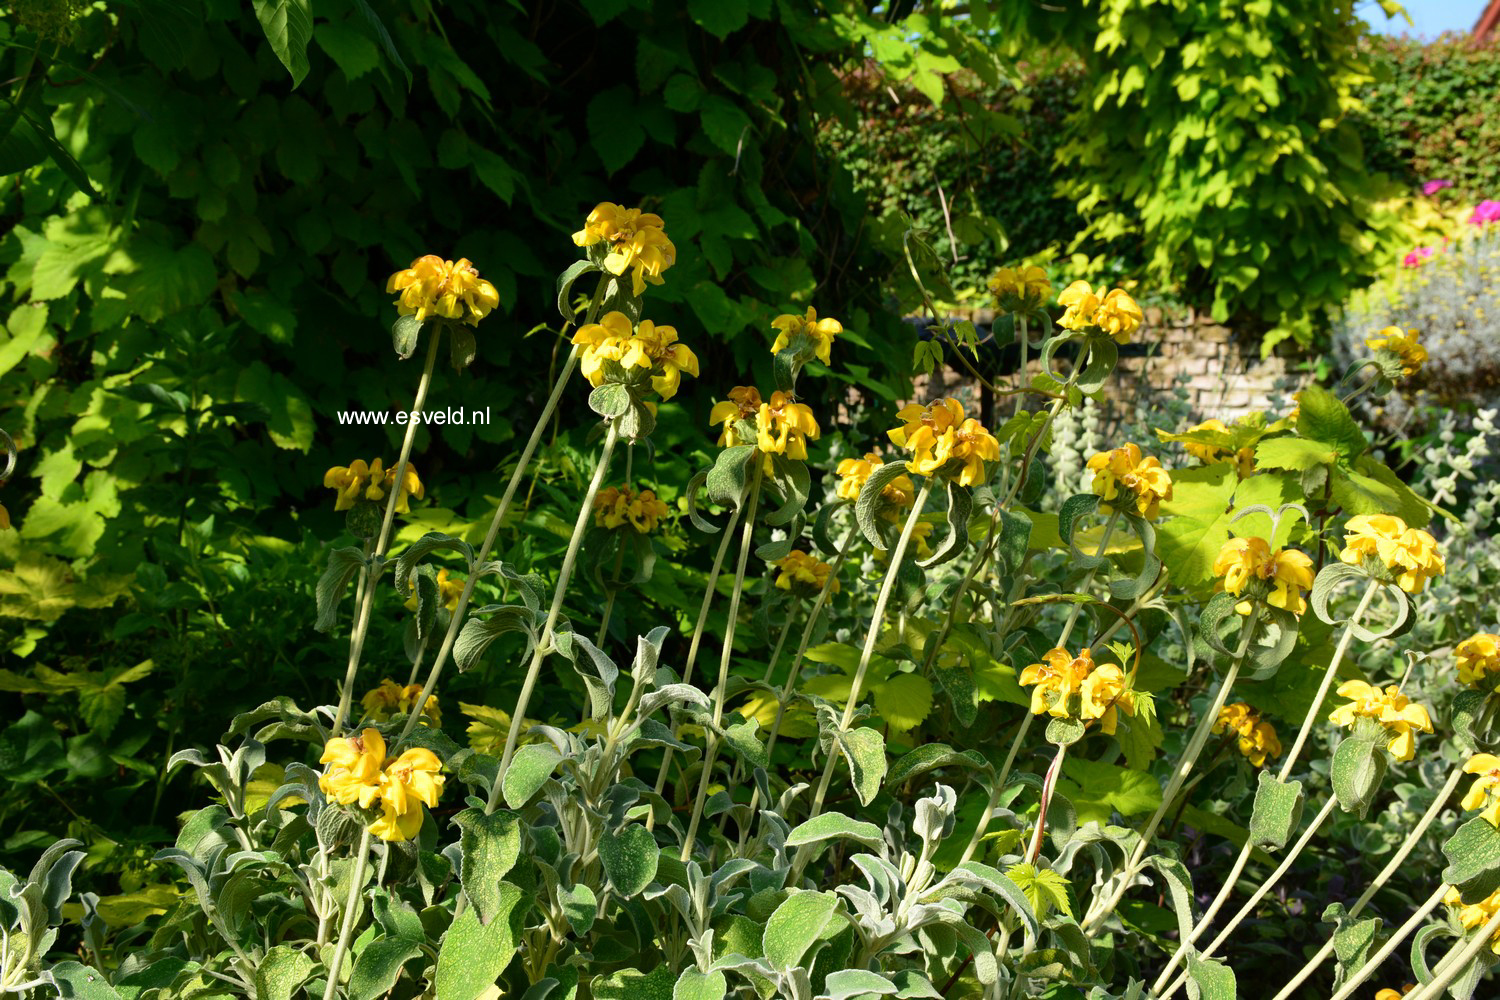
[(630, 858), (795, 926)]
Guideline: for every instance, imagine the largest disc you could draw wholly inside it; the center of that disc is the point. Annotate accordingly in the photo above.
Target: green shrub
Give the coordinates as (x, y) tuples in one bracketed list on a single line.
[(1430, 113)]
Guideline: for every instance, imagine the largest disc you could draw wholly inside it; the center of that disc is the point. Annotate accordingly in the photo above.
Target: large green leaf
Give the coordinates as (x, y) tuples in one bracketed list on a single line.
[(491, 846), (1198, 525), (288, 25), (472, 955), (795, 926)]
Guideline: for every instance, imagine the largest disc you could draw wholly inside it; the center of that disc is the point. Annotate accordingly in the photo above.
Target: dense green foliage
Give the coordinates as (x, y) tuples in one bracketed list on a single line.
[(180, 338), (1430, 114)]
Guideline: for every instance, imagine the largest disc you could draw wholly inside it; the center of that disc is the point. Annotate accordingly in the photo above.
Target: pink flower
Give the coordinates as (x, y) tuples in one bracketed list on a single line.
[(1486, 211), (1418, 256), (1433, 187)]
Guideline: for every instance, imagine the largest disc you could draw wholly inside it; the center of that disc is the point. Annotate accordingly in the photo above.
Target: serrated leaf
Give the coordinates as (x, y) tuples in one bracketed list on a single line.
[(288, 25), (491, 846), (904, 701)]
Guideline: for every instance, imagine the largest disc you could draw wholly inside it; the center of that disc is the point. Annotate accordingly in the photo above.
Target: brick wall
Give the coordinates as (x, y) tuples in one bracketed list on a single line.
[(1225, 375)]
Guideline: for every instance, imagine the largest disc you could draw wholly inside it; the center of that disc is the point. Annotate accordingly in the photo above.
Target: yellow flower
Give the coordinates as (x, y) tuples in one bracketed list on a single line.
[(1118, 316), (1485, 792), (648, 346), (407, 783), (940, 433), (433, 286), (636, 242), (1243, 460), (383, 480), (801, 572), (1060, 677), (1410, 554), (350, 481), (354, 763), (1105, 692), (1114, 312), (390, 698), (743, 404), (1390, 994), (820, 331), (854, 472), (785, 427), (450, 589), (1403, 345), (1392, 709), (1246, 561), (1477, 656), (1256, 737), (1292, 572), (1020, 289), (1473, 915), (1080, 302), (1241, 560), (616, 506), (1124, 478)]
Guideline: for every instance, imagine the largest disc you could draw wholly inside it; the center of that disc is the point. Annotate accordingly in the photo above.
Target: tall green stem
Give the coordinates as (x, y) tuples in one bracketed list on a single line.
[(545, 642), (1456, 961), (698, 628), (456, 621), (1260, 893), (726, 655), (1412, 839), (362, 618), (1316, 707), (351, 914), (1313, 714), (1180, 773), (867, 653)]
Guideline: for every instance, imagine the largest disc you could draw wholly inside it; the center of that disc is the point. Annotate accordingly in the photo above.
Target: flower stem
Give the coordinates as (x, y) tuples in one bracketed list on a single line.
[(1373, 965), (1049, 786), (796, 669), (867, 653), (1184, 767), (1088, 581), (697, 640), (455, 622), (1396, 861), (1313, 711), (351, 913), (1333, 669), (997, 788), (1449, 968), (362, 619), (711, 748), (545, 642), (1260, 893)]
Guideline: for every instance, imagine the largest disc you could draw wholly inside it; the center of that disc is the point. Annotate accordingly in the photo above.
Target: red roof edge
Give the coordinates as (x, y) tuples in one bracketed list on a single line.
[(1488, 21)]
